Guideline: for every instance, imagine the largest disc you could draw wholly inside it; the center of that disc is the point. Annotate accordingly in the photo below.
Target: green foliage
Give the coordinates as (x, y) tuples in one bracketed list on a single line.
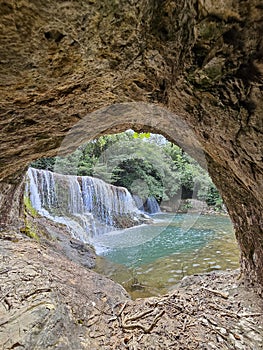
[(141, 135), (213, 198), (139, 177), (193, 177), (44, 163), (144, 163), (186, 205)]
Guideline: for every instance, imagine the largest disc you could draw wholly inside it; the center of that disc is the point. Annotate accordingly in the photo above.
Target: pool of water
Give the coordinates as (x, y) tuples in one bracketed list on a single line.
[(150, 259)]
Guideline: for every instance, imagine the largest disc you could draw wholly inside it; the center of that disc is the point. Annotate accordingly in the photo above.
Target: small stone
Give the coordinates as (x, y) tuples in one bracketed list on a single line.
[(223, 331)]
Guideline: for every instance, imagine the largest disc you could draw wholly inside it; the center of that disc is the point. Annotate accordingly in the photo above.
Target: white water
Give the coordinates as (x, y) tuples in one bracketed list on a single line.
[(150, 205), (85, 204)]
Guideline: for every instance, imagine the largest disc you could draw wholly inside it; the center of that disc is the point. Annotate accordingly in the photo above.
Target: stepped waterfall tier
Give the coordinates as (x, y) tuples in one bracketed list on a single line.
[(87, 205)]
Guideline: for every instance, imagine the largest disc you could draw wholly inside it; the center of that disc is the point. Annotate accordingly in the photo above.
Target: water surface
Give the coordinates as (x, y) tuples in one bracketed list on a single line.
[(150, 259)]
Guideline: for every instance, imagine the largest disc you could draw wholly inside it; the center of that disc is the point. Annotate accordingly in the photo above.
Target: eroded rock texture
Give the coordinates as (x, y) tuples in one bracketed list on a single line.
[(49, 302), (65, 62)]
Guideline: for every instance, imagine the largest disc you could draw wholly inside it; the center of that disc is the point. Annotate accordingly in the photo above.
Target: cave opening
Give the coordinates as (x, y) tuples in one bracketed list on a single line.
[(238, 193), (62, 61), (186, 229)]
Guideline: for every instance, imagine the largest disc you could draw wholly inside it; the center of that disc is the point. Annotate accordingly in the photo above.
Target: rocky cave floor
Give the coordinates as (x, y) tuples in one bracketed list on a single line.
[(49, 300)]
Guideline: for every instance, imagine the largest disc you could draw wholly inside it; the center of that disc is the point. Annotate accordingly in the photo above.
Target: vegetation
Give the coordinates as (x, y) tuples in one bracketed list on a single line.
[(29, 229), (30, 232), (146, 164), (29, 208)]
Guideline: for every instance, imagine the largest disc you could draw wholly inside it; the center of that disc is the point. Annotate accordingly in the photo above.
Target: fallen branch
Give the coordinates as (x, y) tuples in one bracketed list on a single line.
[(223, 311), (6, 293), (122, 308), (184, 325)]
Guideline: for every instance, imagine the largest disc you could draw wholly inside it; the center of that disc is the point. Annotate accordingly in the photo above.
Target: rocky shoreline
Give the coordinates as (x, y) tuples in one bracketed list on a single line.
[(193, 206), (51, 299)]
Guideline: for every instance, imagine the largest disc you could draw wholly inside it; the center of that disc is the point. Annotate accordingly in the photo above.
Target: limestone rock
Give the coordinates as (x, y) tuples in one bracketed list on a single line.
[(191, 70)]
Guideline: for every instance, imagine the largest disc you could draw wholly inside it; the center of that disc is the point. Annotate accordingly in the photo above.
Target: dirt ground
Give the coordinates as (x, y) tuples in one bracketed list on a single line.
[(210, 311), (49, 300)]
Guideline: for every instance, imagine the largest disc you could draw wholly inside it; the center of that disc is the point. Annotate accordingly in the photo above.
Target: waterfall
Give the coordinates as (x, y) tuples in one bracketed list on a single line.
[(87, 205), (139, 202), (152, 206)]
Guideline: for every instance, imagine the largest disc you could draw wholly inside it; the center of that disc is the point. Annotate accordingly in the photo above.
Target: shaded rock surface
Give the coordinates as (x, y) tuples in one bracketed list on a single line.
[(191, 70), (45, 297), (50, 302), (60, 239)]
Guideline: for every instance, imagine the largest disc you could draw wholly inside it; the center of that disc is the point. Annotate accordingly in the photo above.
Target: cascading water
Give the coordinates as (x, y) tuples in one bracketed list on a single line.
[(87, 205), (152, 205), (139, 202)]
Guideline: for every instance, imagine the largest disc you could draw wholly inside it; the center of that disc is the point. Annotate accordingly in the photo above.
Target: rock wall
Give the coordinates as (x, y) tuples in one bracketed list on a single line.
[(191, 70)]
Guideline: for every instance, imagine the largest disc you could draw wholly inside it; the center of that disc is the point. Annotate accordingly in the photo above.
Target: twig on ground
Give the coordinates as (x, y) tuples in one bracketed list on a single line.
[(250, 315), (217, 292), (140, 315), (122, 308), (139, 325)]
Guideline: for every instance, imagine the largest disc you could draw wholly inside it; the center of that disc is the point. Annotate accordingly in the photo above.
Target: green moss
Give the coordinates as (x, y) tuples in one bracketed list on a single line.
[(208, 30), (29, 208), (30, 213), (30, 231)]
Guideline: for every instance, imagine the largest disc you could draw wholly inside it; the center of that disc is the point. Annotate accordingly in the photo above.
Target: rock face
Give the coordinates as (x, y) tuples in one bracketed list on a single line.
[(49, 302), (45, 298), (191, 70)]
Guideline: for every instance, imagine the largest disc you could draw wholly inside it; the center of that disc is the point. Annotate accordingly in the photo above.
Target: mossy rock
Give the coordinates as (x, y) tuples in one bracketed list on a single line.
[(29, 208), (30, 232)]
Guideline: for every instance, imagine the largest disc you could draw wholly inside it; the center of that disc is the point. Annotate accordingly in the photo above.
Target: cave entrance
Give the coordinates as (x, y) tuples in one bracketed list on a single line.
[(173, 192), (236, 184)]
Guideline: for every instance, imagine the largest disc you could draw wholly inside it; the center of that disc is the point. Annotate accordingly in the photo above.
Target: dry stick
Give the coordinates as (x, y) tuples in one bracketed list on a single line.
[(140, 337), (224, 312), (119, 315), (222, 294), (140, 315), (184, 325), (216, 331), (139, 325), (6, 293), (122, 308), (92, 323), (233, 314), (115, 317)]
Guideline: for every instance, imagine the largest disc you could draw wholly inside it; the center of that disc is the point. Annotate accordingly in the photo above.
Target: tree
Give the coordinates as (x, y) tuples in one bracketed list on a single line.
[(146, 164)]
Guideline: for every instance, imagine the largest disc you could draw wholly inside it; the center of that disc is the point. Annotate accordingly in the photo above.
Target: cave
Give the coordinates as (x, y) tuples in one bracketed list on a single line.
[(190, 70)]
